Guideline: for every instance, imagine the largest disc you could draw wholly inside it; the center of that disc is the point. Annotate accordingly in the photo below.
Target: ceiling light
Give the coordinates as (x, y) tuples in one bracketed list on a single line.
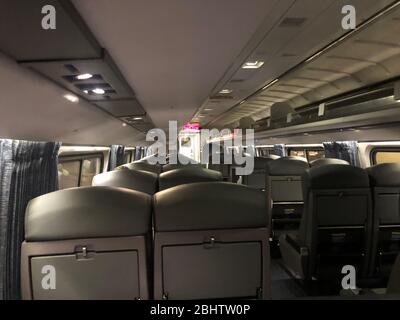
[(124, 124), (86, 91), (201, 116), (208, 109), (137, 118), (253, 64), (84, 76), (226, 91), (71, 98), (99, 91)]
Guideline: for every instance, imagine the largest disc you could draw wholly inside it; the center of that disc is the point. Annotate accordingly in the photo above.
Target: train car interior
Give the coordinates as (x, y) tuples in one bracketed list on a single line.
[(196, 150)]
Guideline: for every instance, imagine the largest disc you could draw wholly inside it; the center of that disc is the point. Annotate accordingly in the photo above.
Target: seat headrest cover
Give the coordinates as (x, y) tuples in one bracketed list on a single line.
[(327, 161), (208, 206), (385, 175), (335, 176), (261, 162), (287, 166), (88, 212), (142, 181), (170, 166), (187, 175), (142, 166)]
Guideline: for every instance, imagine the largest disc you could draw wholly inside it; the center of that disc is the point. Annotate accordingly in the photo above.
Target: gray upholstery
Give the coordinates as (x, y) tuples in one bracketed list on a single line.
[(187, 175), (170, 166), (87, 212), (94, 240), (210, 242), (385, 175), (335, 226), (385, 183), (257, 179), (287, 166), (284, 193), (327, 161), (335, 177), (142, 181), (142, 166), (203, 206)]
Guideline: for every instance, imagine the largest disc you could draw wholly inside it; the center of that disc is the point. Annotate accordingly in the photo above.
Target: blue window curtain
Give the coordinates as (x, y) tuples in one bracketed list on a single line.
[(280, 150), (116, 156), (345, 150), (27, 170)]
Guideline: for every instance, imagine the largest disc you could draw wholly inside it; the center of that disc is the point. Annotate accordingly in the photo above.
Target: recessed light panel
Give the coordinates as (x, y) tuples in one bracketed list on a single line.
[(253, 64)]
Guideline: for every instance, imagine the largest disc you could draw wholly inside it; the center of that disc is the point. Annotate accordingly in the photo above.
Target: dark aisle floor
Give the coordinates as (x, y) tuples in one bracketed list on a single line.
[(282, 285)]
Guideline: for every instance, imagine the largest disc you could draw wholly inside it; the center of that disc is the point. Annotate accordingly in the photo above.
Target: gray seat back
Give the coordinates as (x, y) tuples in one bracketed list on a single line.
[(337, 219), (142, 181), (257, 179), (141, 166), (284, 193), (385, 183), (187, 175), (326, 161), (170, 166), (210, 242), (87, 243)]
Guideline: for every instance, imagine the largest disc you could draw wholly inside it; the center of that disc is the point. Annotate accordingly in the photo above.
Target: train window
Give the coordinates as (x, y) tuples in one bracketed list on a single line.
[(79, 170), (68, 174), (90, 167), (315, 154), (264, 152), (128, 156), (298, 153), (309, 154), (386, 155)]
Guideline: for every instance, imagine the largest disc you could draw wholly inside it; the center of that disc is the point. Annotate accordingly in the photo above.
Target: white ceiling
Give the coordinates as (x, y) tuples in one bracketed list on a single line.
[(174, 52), (282, 48), (33, 108)]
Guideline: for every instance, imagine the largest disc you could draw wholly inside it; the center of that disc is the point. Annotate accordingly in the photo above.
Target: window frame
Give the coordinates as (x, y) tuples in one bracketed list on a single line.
[(130, 157), (375, 150), (81, 157)]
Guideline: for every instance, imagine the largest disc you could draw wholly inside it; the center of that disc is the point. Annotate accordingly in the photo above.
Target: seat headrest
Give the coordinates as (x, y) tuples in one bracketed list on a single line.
[(142, 181), (208, 205), (385, 175), (170, 166), (287, 166), (261, 162), (187, 175), (88, 212), (335, 176), (141, 166), (327, 161)]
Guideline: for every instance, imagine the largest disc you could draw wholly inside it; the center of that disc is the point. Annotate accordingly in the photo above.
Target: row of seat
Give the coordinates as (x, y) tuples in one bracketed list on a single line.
[(157, 168), (281, 179), (150, 182), (193, 241), (351, 217)]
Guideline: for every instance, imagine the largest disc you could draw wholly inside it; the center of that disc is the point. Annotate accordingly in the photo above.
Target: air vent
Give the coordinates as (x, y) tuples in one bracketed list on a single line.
[(236, 80), (71, 68), (292, 22)]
